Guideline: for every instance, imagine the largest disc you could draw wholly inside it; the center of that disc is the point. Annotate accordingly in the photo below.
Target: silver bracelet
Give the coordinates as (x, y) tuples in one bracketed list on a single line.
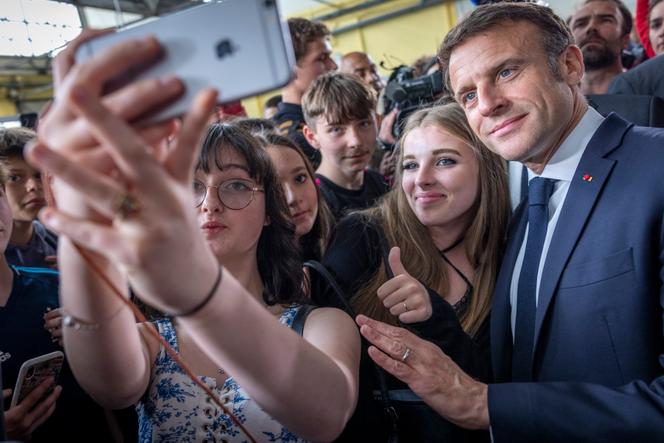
[(76, 323)]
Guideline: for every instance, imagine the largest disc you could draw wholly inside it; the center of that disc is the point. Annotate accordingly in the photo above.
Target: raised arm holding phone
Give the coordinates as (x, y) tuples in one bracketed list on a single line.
[(130, 205)]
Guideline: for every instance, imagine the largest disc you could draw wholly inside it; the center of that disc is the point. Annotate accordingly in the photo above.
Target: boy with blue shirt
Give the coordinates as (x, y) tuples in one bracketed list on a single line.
[(26, 295)]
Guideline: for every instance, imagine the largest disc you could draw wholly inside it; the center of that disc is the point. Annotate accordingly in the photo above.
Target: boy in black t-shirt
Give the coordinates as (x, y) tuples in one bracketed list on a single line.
[(339, 110)]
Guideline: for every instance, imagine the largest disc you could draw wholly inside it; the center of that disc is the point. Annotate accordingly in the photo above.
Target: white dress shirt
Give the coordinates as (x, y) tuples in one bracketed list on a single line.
[(561, 167)]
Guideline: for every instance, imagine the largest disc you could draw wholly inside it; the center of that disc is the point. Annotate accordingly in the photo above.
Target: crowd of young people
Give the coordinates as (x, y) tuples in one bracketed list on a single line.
[(259, 243)]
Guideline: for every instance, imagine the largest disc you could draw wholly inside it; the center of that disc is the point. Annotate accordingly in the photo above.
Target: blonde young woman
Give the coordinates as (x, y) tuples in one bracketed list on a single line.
[(441, 231), (201, 243)]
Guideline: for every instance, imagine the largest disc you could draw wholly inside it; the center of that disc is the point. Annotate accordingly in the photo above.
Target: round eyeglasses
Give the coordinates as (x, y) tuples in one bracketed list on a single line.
[(235, 193)]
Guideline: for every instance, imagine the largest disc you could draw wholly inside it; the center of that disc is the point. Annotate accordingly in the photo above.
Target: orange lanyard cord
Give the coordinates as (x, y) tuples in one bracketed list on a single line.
[(138, 315)]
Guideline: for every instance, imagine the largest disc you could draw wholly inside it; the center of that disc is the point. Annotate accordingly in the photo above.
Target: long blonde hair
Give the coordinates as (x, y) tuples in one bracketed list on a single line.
[(483, 240)]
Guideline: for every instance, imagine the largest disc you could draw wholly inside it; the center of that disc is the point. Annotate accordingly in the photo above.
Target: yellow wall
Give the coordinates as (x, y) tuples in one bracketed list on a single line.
[(7, 107), (397, 41)]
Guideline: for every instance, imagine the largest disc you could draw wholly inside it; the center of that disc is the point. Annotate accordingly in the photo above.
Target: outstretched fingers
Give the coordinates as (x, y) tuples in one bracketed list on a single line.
[(63, 63), (129, 152), (394, 349), (101, 193), (111, 62), (103, 239)]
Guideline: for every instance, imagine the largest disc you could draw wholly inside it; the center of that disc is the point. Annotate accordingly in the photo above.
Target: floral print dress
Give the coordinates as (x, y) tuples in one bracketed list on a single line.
[(175, 410)]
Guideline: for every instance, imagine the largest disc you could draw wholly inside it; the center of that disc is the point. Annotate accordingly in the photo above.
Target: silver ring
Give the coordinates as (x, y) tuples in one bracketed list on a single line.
[(405, 355), (405, 306)]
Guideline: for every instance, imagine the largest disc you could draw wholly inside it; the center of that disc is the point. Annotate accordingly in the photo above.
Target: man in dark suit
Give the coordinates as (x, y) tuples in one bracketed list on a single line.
[(645, 79), (576, 324)]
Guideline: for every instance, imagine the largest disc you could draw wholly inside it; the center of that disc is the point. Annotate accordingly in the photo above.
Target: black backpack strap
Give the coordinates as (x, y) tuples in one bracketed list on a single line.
[(330, 280), (301, 317)]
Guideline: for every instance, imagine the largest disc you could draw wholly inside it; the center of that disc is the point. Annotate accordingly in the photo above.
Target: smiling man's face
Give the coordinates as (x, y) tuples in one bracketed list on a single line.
[(513, 101)]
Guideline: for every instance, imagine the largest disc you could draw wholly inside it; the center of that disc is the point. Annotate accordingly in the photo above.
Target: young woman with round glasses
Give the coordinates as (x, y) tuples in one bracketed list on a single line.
[(221, 261)]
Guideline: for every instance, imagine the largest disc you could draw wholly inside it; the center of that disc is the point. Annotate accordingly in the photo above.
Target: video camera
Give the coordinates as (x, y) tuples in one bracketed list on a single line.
[(407, 93)]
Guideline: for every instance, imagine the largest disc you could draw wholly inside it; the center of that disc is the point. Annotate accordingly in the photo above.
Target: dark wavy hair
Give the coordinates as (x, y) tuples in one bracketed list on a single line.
[(315, 241), (278, 253)]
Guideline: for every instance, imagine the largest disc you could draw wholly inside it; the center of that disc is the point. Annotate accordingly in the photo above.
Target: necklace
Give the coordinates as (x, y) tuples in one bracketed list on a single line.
[(460, 305)]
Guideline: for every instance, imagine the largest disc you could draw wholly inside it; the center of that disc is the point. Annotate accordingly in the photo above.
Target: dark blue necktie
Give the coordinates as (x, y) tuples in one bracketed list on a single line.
[(539, 191)]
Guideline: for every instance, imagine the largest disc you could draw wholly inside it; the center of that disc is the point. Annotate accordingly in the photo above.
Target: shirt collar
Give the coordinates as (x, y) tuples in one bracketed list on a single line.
[(565, 160)]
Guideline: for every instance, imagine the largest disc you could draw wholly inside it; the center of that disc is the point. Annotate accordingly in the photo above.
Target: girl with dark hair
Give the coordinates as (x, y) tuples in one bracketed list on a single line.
[(215, 248), (308, 210)]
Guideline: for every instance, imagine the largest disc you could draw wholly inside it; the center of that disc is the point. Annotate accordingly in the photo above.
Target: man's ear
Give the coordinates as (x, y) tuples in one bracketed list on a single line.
[(310, 135), (572, 67)]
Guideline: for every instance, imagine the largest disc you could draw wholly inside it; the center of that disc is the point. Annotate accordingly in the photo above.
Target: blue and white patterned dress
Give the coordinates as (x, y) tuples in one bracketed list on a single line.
[(175, 410)]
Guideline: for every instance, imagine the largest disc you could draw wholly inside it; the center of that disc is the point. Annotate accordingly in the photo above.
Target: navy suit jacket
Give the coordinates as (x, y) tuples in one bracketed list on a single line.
[(599, 347)]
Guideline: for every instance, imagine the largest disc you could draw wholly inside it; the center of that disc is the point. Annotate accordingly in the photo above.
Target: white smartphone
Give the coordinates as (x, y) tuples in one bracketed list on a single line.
[(34, 371), (240, 47)]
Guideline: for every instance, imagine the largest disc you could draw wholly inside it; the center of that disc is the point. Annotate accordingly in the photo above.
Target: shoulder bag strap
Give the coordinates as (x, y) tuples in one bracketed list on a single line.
[(388, 408)]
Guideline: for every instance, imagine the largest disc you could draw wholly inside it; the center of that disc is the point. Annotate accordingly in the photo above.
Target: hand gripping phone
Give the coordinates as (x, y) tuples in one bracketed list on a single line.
[(240, 47), (34, 371)]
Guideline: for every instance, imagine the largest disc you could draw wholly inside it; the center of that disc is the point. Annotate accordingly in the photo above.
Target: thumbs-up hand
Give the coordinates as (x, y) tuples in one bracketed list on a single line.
[(404, 295)]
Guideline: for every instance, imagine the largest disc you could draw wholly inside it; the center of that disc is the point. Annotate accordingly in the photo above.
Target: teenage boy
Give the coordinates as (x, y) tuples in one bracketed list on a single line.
[(30, 244), (28, 297), (312, 47), (23, 419), (339, 110)]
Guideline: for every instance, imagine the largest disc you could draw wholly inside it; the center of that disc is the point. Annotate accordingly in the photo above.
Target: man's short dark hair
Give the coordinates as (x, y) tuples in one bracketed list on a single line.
[(554, 33), (626, 14), (303, 32)]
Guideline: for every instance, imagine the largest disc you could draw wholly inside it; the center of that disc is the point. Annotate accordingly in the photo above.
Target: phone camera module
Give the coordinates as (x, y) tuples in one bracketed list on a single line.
[(225, 48)]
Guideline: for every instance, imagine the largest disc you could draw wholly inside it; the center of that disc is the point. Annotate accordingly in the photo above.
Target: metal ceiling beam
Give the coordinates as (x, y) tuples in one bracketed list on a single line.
[(146, 8)]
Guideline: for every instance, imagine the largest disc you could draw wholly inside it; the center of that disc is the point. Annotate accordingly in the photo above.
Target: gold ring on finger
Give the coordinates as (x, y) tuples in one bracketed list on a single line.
[(405, 355), (125, 205)]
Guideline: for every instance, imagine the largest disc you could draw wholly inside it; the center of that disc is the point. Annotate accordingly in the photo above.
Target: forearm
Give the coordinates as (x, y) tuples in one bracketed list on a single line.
[(281, 372), (107, 359)]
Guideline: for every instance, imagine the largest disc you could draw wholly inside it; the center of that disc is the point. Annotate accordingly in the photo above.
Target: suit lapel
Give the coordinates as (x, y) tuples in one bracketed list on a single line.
[(587, 183), (501, 325)]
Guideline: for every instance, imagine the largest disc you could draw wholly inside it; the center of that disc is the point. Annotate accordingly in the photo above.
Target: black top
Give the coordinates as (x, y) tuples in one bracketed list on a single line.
[(353, 257), (645, 79), (22, 337), (290, 121), (341, 200)]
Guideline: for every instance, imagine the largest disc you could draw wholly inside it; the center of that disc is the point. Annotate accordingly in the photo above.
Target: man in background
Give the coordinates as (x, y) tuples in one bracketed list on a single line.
[(360, 64), (601, 29), (313, 50)]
